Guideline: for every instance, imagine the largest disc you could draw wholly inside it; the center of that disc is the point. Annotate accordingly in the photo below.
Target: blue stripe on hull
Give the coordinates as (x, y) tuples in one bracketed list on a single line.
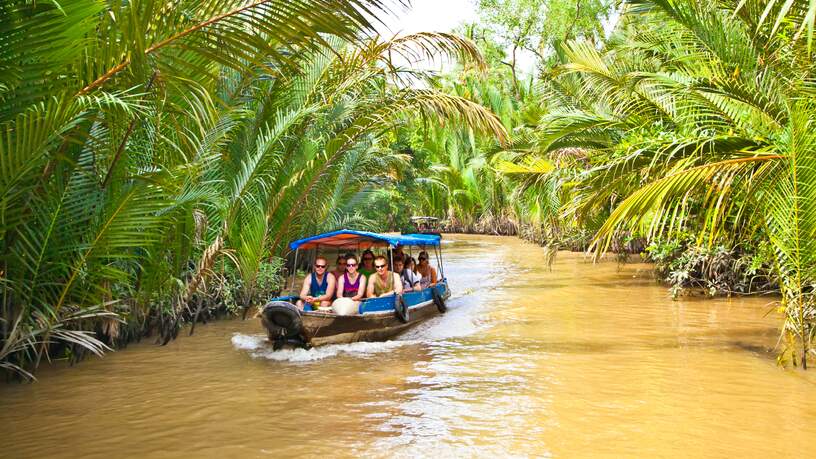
[(386, 303)]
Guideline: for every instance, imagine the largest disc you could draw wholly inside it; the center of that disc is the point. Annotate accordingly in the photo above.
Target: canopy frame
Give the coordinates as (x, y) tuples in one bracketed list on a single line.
[(361, 240), (348, 239)]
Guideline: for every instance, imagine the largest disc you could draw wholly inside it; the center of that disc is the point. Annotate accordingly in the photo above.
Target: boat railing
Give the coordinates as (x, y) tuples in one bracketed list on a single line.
[(385, 303)]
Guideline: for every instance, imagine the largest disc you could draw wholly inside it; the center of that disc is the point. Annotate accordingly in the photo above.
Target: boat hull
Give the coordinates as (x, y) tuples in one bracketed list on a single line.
[(321, 328), (377, 320)]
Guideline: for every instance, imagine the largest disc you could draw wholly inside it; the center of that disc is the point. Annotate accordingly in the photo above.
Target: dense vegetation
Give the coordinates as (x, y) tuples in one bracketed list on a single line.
[(156, 157)]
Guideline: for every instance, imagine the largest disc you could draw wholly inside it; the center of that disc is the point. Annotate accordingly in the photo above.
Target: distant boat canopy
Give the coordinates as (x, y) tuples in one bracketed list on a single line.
[(426, 225)]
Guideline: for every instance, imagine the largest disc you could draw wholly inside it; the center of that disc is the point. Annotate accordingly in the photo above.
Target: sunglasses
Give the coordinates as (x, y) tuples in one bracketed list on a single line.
[(351, 265), (320, 266), (423, 258), (379, 266)]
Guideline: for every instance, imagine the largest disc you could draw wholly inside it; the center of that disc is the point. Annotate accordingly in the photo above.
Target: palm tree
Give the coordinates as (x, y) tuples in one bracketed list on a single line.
[(145, 146), (100, 103)]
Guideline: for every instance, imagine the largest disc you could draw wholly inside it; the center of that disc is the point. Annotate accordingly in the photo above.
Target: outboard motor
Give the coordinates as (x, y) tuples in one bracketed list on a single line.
[(284, 324)]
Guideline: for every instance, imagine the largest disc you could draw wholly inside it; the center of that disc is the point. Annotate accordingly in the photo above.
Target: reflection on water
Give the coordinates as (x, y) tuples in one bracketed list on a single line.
[(584, 360)]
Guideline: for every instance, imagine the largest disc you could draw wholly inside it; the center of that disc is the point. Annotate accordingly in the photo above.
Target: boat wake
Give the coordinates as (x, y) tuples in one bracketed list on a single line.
[(459, 321), (260, 348)]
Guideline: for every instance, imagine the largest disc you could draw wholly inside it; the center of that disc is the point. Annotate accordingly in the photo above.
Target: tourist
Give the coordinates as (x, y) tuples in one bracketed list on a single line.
[(383, 282), (318, 287), (351, 284), (398, 253), (339, 268), (425, 270), (410, 279), (367, 268)]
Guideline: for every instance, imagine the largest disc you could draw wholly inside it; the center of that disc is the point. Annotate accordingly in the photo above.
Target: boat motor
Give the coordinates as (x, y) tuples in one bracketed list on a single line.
[(284, 324)]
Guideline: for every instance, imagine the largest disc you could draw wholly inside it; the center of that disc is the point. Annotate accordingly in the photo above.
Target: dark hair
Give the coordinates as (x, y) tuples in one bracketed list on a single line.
[(340, 258), (351, 256)]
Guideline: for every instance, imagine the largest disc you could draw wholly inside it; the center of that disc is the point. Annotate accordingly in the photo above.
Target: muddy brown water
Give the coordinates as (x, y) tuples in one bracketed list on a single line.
[(585, 360)]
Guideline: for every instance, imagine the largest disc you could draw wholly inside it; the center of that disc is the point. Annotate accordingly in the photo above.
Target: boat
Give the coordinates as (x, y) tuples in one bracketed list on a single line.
[(426, 225), (377, 319)]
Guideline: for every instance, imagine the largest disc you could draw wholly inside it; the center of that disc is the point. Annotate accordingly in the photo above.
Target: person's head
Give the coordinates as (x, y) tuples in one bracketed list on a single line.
[(423, 258), (409, 263), (380, 265), (398, 265), (351, 264), (341, 263), (320, 265), (368, 258)]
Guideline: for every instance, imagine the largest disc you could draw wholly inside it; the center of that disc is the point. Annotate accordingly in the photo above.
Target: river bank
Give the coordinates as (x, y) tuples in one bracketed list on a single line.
[(581, 360), (684, 266), (703, 276)]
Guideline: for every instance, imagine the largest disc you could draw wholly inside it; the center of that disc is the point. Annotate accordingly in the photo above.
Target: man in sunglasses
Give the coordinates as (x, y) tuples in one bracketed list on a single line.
[(383, 282), (318, 287)]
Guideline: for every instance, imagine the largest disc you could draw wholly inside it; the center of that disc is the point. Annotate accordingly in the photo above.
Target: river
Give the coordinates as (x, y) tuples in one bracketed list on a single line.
[(583, 360)]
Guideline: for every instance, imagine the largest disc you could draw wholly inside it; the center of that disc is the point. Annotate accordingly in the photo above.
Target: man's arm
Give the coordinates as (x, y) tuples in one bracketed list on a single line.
[(370, 289), (304, 291), (397, 284)]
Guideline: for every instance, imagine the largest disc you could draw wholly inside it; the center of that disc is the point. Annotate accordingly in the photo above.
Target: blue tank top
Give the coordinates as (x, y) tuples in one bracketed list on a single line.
[(319, 289)]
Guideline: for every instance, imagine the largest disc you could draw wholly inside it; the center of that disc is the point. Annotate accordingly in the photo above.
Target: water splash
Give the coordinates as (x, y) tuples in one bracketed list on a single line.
[(261, 348), (462, 319)]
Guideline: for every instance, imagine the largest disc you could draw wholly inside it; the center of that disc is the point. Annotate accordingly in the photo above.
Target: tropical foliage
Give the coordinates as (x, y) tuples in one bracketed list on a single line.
[(696, 118), (156, 157)]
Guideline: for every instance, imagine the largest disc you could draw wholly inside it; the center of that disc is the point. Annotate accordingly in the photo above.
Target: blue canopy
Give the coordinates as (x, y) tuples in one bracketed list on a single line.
[(351, 239)]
